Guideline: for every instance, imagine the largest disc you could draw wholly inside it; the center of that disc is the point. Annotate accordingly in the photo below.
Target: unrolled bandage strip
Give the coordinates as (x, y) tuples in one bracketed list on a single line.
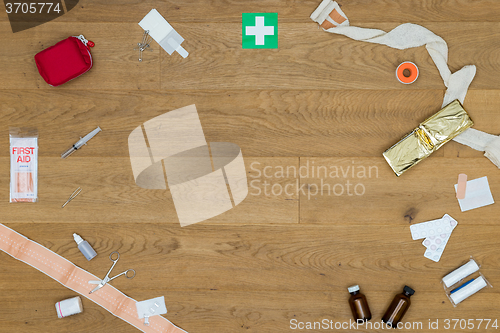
[(76, 279), (332, 19), (436, 234)]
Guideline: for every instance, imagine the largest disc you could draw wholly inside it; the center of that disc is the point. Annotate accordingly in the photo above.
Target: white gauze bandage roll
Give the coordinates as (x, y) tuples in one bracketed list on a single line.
[(460, 273), (69, 307), (468, 290)]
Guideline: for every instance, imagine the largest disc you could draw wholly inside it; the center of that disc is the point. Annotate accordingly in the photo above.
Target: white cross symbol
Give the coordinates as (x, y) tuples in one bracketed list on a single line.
[(259, 30)]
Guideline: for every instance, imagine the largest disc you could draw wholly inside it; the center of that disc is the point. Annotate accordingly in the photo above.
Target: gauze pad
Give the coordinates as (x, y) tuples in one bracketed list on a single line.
[(477, 194)]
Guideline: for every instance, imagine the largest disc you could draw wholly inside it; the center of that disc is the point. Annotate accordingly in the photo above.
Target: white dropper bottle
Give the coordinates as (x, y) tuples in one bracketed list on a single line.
[(84, 247)]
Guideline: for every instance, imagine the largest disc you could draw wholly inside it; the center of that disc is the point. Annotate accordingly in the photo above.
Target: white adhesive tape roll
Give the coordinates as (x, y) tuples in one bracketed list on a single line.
[(460, 273), (468, 290), (69, 307)]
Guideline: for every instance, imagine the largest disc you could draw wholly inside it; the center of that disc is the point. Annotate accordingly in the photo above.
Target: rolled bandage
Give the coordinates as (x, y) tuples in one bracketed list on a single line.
[(69, 307), (468, 290), (460, 273)]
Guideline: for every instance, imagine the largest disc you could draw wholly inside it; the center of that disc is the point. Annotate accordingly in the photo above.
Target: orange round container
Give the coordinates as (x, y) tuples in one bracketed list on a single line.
[(407, 72)]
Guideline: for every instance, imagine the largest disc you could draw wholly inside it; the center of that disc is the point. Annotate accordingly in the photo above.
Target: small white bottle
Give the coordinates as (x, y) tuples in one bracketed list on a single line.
[(84, 247)]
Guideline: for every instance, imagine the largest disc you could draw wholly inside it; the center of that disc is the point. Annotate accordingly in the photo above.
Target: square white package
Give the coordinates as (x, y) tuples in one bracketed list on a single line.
[(163, 33), (23, 168), (151, 307), (477, 194)]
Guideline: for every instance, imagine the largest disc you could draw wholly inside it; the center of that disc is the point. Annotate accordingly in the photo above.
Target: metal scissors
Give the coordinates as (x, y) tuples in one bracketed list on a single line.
[(101, 283)]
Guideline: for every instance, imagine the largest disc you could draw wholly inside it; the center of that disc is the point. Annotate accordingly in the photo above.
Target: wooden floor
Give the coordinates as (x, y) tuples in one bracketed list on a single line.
[(319, 100)]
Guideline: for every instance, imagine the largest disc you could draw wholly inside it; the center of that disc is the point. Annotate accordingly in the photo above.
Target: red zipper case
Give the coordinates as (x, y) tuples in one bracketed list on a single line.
[(65, 60)]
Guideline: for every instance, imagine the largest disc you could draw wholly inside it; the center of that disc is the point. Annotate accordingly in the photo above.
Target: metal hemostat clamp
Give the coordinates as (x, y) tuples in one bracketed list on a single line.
[(144, 44)]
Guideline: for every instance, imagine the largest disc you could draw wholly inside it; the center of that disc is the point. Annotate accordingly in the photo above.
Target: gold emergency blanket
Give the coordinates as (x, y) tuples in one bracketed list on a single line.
[(428, 137)]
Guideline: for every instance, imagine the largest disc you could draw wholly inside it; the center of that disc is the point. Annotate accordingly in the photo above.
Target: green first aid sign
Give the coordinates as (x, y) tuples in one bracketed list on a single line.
[(260, 30)]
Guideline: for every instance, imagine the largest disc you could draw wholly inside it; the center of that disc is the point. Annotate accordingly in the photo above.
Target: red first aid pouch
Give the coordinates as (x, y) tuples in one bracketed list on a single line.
[(65, 61)]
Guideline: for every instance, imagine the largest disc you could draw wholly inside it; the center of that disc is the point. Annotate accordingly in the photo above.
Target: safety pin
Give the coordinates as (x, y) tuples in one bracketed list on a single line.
[(72, 196), (144, 44)]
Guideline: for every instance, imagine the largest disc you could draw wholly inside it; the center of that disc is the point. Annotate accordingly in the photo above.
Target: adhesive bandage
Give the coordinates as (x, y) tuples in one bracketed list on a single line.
[(461, 185)]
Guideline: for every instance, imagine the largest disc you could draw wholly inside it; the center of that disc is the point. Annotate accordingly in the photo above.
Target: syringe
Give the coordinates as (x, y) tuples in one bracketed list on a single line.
[(80, 142)]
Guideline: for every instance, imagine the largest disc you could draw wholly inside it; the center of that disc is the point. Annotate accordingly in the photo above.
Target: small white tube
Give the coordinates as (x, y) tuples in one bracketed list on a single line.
[(69, 307), (468, 290), (460, 273)]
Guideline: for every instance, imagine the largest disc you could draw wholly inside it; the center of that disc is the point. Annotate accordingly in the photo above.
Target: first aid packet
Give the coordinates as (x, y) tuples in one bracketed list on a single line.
[(23, 165)]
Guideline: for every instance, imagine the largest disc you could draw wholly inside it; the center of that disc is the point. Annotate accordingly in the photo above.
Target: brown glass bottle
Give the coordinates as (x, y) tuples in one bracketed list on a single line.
[(398, 307), (359, 305)]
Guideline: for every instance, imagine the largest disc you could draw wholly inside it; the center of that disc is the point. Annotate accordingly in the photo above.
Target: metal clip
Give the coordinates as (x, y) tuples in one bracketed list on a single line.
[(144, 44), (82, 38)]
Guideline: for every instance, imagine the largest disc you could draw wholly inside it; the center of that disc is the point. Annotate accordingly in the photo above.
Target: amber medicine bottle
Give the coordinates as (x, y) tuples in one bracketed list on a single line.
[(398, 307), (359, 305)]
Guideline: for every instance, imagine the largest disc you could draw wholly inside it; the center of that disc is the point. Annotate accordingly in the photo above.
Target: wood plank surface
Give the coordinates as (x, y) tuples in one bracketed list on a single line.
[(284, 255), (399, 11), (262, 276), (422, 193), (359, 123)]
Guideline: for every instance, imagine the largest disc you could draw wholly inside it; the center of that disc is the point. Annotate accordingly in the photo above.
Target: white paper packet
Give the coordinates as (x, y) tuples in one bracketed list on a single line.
[(23, 165)]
